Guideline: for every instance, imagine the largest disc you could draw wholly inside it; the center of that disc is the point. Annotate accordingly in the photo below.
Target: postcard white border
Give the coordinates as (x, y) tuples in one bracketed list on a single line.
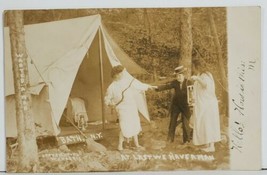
[(59, 4), (244, 66)]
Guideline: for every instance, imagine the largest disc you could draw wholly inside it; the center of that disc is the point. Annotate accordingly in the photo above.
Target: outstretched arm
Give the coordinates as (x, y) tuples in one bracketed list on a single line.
[(165, 87), (143, 86)]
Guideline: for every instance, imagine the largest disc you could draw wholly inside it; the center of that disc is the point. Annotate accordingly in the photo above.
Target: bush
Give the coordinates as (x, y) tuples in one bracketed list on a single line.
[(159, 103)]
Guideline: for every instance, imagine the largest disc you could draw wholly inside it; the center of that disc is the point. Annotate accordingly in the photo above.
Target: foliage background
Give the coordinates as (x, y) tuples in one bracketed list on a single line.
[(155, 35)]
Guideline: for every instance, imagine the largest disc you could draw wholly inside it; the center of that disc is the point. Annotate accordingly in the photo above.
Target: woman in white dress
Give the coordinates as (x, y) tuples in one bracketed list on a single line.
[(120, 95), (206, 130)]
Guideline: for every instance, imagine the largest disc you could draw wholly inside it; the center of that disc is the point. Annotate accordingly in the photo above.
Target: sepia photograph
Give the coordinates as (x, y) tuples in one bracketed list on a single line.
[(124, 89)]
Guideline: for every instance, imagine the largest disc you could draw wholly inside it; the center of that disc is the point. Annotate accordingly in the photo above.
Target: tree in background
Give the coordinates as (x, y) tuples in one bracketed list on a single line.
[(204, 47), (150, 48), (186, 42), (220, 63), (27, 146)]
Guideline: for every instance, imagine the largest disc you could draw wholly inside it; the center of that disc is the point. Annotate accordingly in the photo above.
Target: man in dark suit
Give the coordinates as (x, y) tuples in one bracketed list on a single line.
[(179, 104)]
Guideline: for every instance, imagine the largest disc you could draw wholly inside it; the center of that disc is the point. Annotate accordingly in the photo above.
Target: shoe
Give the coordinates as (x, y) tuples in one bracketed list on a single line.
[(120, 148), (140, 148), (187, 143), (208, 149), (191, 134), (170, 140)]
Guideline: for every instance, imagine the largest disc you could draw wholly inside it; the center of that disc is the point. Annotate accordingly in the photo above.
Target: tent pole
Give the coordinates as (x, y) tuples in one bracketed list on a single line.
[(101, 78)]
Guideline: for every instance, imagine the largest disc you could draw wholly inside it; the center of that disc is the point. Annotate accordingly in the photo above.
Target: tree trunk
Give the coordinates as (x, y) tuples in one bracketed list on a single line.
[(220, 59), (153, 60), (27, 147), (186, 42), (218, 47)]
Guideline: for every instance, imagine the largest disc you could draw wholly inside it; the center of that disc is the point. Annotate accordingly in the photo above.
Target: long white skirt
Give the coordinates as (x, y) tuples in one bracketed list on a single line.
[(206, 113), (206, 124), (129, 120)]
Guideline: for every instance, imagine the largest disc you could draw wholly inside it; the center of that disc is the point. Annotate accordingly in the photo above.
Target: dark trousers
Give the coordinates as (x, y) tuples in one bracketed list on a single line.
[(185, 113)]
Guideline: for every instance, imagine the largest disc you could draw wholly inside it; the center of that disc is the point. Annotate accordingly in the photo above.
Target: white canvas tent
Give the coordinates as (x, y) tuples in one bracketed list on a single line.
[(73, 57)]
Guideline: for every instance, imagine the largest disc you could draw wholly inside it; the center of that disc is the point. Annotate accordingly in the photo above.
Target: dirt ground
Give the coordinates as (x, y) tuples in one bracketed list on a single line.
[(158, 155)]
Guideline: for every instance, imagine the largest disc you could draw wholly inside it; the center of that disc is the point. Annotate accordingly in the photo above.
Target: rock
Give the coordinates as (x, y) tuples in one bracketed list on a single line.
[(94, 146), (95, 165), (64, 148), (54, 150), (113, 157)]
